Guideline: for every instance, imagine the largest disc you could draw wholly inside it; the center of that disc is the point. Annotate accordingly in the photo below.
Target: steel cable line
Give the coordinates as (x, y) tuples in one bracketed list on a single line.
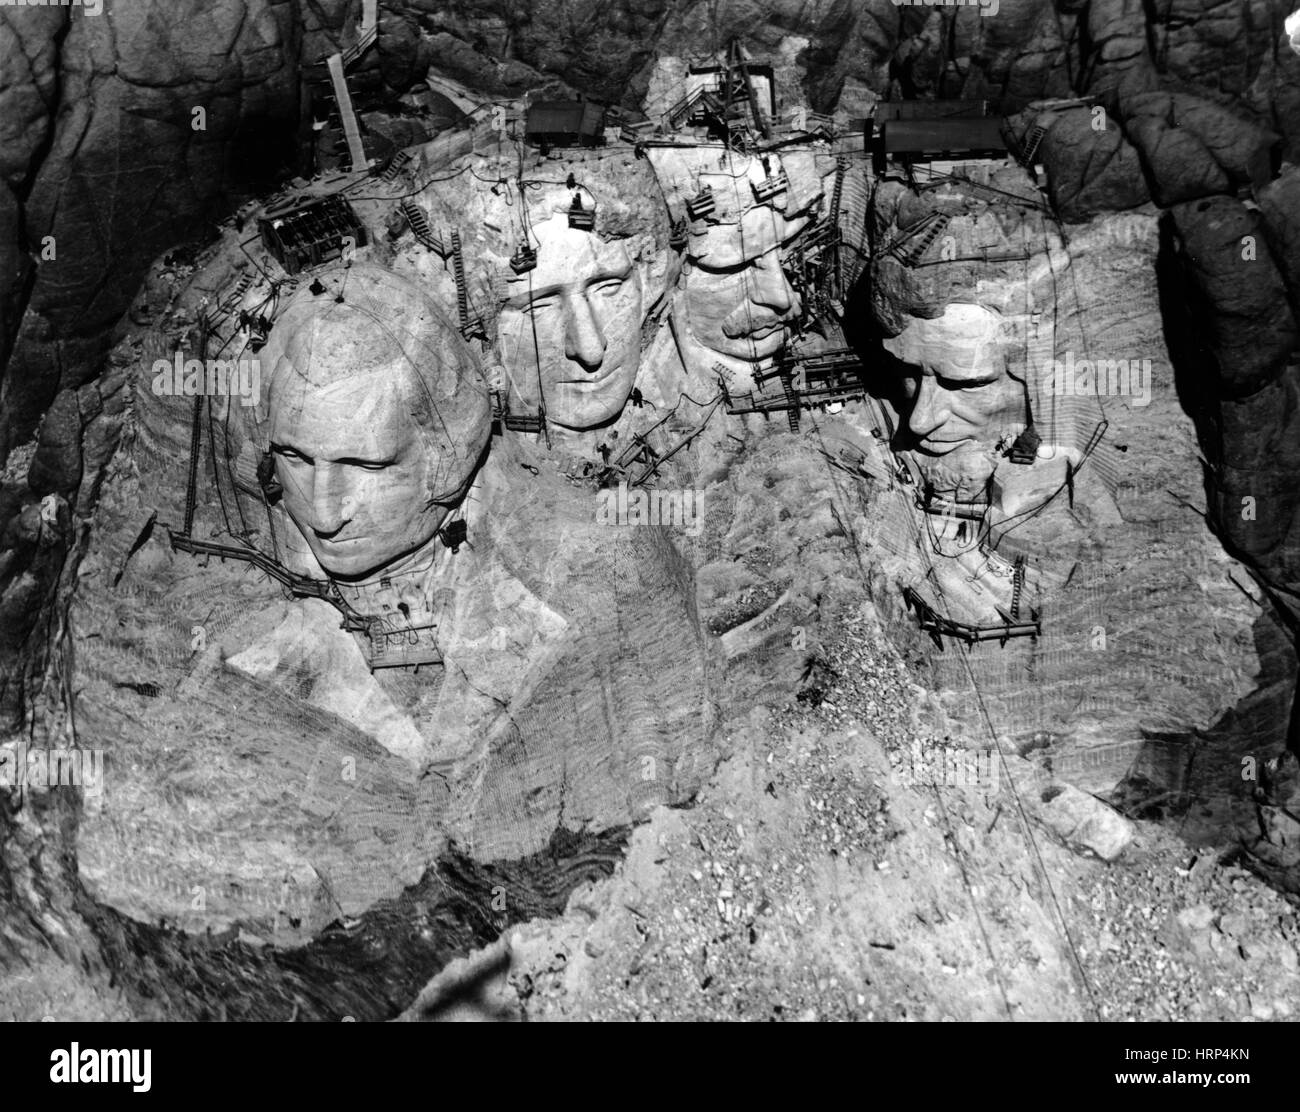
[(966, 881)]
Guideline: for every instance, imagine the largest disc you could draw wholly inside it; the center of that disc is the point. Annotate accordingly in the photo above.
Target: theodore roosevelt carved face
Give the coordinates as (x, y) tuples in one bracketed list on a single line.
[(736, 304)]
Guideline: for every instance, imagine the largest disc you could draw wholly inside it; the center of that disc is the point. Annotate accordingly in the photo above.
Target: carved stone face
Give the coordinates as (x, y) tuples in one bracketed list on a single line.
[(739, 300), (584, 303), (352, 464), (962, 399), (737, 303), (376, 419)]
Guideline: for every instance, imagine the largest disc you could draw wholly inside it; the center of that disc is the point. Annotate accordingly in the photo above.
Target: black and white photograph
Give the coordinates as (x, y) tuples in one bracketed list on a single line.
[(650, 510)]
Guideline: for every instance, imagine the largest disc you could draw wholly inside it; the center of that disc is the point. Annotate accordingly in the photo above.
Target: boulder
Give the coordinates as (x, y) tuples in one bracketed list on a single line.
[(1084, 822), (1279, 205), (1091, 171), (1192, 148), (1242, 313)]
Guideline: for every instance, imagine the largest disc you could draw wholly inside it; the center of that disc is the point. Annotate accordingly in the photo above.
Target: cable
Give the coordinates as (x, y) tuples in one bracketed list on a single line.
[(410, 192), (970, 892), (537, 351), (964, 654)]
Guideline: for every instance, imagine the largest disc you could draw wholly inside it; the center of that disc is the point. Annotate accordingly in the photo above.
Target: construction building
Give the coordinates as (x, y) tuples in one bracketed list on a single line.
[(565, 123)]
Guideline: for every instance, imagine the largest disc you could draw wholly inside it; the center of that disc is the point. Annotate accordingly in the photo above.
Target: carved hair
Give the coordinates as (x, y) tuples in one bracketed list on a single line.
[(486, 205)]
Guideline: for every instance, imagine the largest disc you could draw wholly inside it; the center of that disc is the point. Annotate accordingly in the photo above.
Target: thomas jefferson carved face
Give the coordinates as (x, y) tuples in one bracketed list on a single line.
[(567, 329), (571, 328), (376, 420)]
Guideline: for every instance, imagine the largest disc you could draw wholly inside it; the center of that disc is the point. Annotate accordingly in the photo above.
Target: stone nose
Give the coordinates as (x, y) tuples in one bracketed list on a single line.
[(930, 410), (769, 285), (584, 342), (331, 501)]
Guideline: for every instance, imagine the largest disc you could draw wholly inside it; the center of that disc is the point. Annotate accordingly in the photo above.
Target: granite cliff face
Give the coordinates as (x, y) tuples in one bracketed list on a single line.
[(103, 169), (100, 141)]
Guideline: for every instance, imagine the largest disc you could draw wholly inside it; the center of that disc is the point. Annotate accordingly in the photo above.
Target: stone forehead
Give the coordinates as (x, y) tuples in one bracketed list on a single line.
[(621, 187), (384, 322), (683, 172), (388, 328)]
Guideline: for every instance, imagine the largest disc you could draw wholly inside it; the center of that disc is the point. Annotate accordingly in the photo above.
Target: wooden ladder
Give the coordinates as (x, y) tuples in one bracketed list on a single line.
[(470, 324), (792, 396), (1017, 588), (910, 256), (1032, 140)]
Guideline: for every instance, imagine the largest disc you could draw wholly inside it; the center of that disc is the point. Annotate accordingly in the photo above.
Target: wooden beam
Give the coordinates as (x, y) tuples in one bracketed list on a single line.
[(344, 100)]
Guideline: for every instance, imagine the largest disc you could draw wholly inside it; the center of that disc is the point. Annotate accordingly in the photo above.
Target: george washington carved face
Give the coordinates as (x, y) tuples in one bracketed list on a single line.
[(376, 419)]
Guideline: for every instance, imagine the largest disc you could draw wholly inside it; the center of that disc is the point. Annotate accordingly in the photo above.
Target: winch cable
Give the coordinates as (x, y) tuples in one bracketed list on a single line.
[(964, 653), (994, 966)]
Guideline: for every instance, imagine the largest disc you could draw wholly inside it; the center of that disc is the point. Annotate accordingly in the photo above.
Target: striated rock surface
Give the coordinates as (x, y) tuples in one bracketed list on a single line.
[(1148, 634), (124, 174), (1192, 148)]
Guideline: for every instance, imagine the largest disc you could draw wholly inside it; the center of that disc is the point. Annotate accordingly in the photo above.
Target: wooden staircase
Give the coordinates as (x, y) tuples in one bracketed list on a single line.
[(358, 48), (369, 32), (1032, 141), (395, 165), (420, 226), (913, 244), (471, 324), (343, 100)]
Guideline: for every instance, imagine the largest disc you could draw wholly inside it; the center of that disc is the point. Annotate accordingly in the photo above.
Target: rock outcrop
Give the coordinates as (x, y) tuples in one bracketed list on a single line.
[(104, 166)]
